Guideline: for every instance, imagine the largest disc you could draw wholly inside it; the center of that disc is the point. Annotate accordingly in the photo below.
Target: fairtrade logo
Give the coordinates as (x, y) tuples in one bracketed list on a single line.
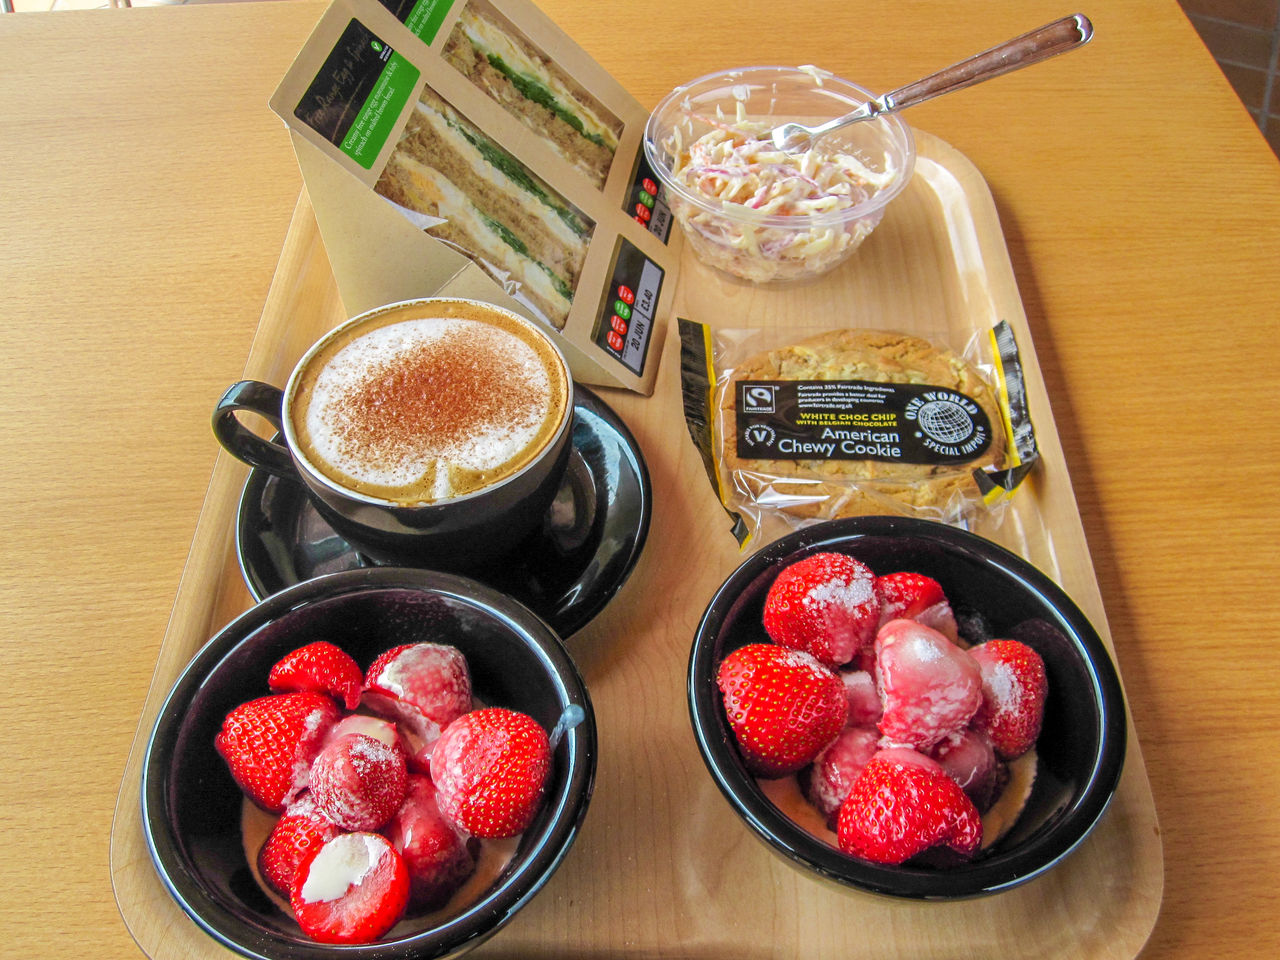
[(760, 435), (758, 399)]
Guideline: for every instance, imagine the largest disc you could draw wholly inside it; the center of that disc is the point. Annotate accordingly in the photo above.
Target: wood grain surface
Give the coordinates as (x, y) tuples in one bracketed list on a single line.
[(145, 194)]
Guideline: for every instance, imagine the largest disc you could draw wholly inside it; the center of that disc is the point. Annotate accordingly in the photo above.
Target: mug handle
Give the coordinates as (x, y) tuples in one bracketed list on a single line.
[(241, 442)]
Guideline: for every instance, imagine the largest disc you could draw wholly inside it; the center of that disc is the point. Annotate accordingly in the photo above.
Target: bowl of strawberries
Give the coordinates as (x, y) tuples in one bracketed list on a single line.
[(906, 708), (382, 763)]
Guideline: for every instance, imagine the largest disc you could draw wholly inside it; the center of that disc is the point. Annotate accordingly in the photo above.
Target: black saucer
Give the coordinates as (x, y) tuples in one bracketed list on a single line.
[(566, 572)]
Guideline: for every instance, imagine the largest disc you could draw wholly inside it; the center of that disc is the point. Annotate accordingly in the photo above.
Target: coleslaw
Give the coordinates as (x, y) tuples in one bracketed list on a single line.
[(760, 193), (759, 213)]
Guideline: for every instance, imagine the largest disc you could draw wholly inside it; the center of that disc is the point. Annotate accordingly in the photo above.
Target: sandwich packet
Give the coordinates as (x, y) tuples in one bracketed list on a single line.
[(803, 426), (470, 148)]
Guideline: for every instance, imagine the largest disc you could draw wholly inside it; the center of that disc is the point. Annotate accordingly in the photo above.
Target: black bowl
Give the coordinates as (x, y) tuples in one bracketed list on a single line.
[(1081, 747), (191, 808)]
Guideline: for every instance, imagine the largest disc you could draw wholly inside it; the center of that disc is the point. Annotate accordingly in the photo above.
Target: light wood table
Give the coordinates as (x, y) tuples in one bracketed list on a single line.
[(145, 195)]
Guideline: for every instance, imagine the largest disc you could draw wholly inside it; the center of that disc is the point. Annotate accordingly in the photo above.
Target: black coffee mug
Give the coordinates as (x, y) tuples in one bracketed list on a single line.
[(463, 533)]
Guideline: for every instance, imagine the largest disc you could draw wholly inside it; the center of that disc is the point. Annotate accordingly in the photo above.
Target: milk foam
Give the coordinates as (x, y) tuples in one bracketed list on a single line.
[(493, 434)]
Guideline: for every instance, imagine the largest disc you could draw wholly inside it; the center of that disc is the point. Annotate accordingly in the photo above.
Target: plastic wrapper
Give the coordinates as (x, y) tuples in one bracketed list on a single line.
[(459, 185), (800, 426), (475, 150)]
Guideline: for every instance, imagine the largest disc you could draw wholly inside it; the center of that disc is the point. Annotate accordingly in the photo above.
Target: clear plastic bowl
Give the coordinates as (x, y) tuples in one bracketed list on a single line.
[(740, 240)]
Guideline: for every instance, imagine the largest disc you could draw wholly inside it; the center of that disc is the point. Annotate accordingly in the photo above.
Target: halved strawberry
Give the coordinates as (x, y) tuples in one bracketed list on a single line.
[(1014, 688), (320, 667), (490, 767), (358, 781), (301, 830), (269, 743), (423, 686), (902, 804), (825, 605), (913, 596), (437, 856), (353, 889), (784, 706)]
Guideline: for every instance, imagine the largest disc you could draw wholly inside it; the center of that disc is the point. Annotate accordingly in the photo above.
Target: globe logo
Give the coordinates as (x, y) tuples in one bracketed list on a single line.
[(944, 421)]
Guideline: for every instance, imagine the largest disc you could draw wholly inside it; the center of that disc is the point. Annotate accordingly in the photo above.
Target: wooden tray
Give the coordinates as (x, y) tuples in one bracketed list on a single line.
[(663, 867)]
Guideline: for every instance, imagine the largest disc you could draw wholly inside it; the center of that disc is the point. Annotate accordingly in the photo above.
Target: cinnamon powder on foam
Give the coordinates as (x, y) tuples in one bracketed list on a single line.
[(441, 398)]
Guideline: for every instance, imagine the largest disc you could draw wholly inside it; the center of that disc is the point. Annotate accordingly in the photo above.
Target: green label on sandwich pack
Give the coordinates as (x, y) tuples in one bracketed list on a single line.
[(858, 420), (423, 17), (358, 95)]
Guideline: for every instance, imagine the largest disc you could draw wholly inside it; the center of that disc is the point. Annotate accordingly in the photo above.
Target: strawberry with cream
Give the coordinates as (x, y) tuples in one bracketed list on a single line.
[(353, 889), (930, 688), (422, 686), (365, 834), (825, 605), (938, 745)]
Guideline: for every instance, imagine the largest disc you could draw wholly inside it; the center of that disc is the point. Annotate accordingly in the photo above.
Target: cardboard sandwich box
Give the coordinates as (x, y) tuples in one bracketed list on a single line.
[(471, 148)]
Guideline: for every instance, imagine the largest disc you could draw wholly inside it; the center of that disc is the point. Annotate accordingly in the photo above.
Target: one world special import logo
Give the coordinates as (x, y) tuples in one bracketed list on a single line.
[(949, 423)]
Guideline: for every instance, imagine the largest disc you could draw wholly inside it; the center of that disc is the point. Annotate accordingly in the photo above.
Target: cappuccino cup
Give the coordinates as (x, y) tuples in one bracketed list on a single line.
[(433, 432)]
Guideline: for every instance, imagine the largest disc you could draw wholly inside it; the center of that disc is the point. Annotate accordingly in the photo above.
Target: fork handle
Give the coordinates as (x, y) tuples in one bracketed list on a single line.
[(1048, 41)]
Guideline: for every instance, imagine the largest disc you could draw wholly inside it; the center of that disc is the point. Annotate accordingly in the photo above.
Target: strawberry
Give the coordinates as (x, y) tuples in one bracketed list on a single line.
[(375, 727), (489, 768), (902, 804), (420, 760), (865, 661), (353, 889), (930, 688), (300, 831), (358, 781), (437, 856), (864, 699), (913, 596), (1014, 687), (824, 605), (269, 743), (320, 667), (423, 686), (836, 768), (970, 760), (784, 706)]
